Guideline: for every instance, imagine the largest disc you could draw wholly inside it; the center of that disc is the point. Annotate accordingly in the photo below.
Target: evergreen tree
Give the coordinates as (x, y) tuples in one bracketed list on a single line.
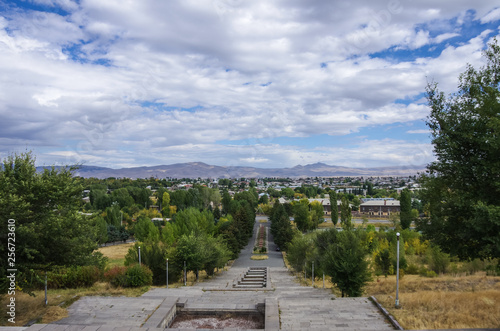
[(333, 206), (405, 205)]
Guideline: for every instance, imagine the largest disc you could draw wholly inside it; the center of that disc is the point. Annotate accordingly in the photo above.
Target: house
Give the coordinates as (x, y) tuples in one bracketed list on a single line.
[(380, 207)]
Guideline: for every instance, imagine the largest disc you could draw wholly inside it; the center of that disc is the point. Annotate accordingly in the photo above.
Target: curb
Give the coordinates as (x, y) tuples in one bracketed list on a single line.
[(386, 314)]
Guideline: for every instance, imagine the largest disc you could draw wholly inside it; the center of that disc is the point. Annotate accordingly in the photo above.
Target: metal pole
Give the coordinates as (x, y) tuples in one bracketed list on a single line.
[(46, 300), (185, 275), (397, 273), (139, 255), (167, 273), (312, 277), (323, 280), (305, 273), (121, 218)]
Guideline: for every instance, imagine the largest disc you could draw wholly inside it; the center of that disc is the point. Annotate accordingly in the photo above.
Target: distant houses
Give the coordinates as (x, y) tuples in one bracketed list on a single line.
[(380, 207)]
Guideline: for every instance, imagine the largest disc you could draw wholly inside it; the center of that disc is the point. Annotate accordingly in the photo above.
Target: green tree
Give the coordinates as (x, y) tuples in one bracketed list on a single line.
[(405, 204), (102, 230), (301, 215), (49, 229), (281, 228), (145, 230), (462, 186), (165, 204), (345, 213), (345, 263), (334, 207)]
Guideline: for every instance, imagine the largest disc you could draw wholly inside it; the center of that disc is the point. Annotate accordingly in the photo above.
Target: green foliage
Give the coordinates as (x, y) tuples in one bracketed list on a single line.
[(345, 214), (405, 203), (302, 217), (145, 230), (383, 261), (438, 260), (281, 228), (345, 262), (334, 207), (101, 230), (50, 231), (300, 250), (138, 275), (193, 220), (462, 186), (71, 277)]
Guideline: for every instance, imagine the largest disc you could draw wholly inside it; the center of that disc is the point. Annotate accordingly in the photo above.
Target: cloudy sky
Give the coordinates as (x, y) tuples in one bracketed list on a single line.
[(267, 83)]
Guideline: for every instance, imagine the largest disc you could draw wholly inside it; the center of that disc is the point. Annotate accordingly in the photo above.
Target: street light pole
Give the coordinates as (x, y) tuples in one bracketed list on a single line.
[(139, 255), (167, 273), (397, 273)]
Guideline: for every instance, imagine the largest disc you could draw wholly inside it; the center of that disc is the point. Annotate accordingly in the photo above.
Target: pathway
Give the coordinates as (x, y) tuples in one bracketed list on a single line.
[(300, 308)]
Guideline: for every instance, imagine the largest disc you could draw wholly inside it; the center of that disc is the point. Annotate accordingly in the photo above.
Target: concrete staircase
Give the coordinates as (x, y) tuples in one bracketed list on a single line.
[(254, 277)]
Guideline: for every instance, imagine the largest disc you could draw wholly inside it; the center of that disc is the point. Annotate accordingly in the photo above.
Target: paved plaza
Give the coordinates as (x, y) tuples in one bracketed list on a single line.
[(288, 305)]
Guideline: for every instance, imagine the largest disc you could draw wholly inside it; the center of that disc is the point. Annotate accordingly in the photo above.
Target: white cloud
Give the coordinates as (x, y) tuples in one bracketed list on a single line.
[(492, 16), (248, 71)]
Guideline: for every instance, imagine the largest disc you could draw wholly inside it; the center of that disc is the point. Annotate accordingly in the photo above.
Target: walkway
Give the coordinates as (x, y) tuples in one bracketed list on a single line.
[(300, 308)]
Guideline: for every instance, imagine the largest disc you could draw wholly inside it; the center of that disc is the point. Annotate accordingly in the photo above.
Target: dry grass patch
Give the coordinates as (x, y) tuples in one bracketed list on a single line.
[(262, 221), (116, 253), (259, 257), (445, 302)]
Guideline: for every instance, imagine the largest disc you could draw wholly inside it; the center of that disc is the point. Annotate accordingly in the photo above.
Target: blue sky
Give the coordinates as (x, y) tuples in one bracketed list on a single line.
[(267, 83)]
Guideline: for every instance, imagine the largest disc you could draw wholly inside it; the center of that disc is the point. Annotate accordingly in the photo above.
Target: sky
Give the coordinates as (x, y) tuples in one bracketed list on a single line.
[(264, 83)]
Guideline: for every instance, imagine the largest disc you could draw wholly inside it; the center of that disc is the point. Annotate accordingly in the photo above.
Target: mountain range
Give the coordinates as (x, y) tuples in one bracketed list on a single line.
[(203, 170)]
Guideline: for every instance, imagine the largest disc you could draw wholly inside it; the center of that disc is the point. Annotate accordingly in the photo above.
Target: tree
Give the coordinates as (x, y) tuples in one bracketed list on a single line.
[(345, 213), (165, 204), (301, 215), (345, 263), (334, 207), (102, 230), (281, 228), (463, 185), (145, 230), (49, 229), (405, 204)]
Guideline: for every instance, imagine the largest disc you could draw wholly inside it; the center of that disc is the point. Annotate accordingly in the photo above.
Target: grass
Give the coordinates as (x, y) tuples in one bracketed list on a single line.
[(445, 302), (259, 257), (116, 253)]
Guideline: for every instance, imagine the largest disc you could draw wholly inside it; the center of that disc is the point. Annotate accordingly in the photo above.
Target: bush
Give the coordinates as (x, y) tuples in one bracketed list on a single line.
[(438, 260), (72, 277), (412, 269), (116, 276), (133, 276), (139, 275)]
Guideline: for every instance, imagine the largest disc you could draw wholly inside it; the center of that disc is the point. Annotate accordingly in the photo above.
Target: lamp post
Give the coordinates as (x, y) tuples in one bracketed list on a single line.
[(167, 273), (139, 255), (397, 272), (312, 276)]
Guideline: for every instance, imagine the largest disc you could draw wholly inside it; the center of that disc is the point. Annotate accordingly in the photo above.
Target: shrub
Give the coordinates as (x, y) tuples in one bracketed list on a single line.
[(73, 277), (116, 276), (139, 275), (412, 269), (438, 260), (430, 274), (263, 250)]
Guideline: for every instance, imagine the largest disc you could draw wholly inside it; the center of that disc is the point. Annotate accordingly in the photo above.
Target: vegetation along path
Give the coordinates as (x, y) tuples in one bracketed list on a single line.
[(300, 307)]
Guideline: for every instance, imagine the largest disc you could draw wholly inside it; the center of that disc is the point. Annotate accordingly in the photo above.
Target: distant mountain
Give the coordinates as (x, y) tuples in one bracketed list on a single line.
[(203, 170)]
